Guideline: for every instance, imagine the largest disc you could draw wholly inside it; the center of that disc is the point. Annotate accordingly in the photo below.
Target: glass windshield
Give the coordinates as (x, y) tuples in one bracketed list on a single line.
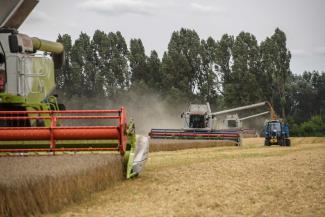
[(275, 126), (197, 121)]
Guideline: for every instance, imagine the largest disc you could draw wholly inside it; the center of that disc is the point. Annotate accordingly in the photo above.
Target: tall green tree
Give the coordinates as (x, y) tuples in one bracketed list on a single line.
[(82, 66), (154, 72), (182, 61), (138, 65), (208, 84), (306, 96), (64, 76), (275, 63), (101, 56), (116, 75), (268, 68), (243, 87), (224, 59)]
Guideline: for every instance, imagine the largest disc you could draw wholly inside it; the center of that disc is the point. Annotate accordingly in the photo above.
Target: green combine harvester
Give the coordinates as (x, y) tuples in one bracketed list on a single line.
[(32, 120)]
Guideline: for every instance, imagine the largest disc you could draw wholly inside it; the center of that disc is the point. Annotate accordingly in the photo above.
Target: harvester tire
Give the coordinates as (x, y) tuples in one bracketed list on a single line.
[(282, 142), (288, 142), (266, 142)]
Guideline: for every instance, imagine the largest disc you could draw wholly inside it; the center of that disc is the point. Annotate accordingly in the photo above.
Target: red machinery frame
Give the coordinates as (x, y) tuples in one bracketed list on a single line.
[(55, 132), (195, 135)]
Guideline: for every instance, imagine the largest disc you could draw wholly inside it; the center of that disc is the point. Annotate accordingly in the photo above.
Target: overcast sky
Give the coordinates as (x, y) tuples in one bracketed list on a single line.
[(153, 21)]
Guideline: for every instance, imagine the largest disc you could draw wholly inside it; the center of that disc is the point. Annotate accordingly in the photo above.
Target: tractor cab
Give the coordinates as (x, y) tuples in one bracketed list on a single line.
[(276, 133), (274, 128)]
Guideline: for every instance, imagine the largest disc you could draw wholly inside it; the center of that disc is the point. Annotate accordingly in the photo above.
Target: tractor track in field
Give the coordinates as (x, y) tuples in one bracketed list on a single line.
[(251, 180)]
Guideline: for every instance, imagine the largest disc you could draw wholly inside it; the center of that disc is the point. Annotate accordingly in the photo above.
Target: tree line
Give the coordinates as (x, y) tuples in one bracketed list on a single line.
[(229, 72)]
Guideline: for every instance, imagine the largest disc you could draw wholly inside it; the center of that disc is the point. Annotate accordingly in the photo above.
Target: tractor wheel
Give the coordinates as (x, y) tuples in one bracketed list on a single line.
[(288, 142), (266, 142), (282, 142)]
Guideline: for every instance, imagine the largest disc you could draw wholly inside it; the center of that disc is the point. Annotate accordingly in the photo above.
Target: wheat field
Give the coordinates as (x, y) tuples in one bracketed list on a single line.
[(250, 180), (36, 185)]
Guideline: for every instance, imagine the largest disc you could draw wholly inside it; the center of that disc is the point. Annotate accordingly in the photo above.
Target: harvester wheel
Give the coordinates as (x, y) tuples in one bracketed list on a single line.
[(282, 142), (288, 142), (266, 142), (239, 142)]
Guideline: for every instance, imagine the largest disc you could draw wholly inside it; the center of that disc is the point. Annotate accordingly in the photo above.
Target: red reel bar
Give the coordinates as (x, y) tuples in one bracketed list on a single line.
[(235, 135), (54, 132), (55, 149), (63, 112), (44, 133)]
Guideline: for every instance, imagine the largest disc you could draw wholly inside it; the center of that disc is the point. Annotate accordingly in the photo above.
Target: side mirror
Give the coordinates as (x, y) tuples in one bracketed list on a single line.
[(2, 58), (13, 43)]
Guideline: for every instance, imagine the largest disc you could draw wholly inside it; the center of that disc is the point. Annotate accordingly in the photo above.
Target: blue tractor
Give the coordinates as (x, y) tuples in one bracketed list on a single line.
[(276, 133)]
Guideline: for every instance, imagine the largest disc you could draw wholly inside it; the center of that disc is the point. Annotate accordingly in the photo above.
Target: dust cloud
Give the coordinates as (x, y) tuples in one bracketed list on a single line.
[(148, 110), (151, 111)]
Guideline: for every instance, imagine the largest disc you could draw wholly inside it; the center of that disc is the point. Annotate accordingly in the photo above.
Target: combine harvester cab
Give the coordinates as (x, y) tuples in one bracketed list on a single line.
[(31, 120)]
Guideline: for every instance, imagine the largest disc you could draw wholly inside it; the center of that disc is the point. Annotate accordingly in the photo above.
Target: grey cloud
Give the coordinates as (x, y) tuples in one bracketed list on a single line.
[(206, 8), (320, 50), (40, 16), (300, 52), (302, 21), (118, 7)]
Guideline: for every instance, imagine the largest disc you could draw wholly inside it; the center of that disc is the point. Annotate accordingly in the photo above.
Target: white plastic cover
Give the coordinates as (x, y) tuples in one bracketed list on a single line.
[(141, 153)]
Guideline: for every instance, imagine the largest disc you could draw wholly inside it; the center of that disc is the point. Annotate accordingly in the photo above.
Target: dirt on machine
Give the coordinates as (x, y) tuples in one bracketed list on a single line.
[(31, 118)]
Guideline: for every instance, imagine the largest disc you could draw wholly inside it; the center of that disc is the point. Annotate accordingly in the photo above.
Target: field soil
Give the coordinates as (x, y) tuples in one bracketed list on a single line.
[(250, 180)]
